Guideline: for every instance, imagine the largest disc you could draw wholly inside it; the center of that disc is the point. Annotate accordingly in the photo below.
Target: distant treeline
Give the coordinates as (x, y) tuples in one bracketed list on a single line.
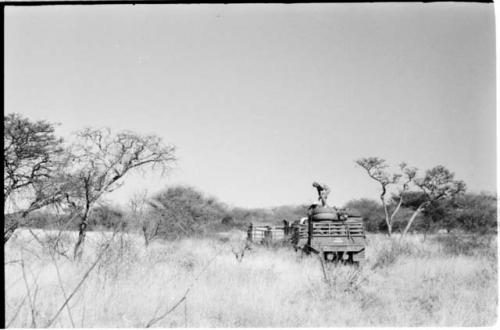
[(176, 211), (183, 211), (470, 212)]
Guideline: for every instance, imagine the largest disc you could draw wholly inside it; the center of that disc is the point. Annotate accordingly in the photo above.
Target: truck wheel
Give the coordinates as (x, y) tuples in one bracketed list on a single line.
[(328, 256)]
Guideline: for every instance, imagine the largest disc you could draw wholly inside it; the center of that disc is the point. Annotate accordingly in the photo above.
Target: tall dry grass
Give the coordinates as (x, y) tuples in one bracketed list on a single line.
[(436, 282)]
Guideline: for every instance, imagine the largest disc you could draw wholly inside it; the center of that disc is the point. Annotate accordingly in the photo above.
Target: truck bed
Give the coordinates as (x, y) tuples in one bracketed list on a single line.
[(331, 236)]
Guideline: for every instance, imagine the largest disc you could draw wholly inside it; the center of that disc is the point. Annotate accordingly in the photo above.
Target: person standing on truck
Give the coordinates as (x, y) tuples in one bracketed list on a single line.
[(323, 191)]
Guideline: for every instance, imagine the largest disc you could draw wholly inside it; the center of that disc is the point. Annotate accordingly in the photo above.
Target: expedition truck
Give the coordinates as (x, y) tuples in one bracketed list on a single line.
[(337, 234)]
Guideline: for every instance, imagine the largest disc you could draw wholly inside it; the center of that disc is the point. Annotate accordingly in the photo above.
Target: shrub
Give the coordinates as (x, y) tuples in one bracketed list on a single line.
[(58, 243), (465, 244), (371, 211), (183, 211), (388, 255), (106, 217), (477, 213), (227, 221)]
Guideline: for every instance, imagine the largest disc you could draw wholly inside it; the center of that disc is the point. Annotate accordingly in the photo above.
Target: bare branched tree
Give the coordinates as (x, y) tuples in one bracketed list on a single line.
[(99, 160), (140, 210), (438, 183), (31, 157)]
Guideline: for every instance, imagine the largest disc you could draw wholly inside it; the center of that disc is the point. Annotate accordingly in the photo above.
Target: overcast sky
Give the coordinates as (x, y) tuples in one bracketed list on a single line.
[(261, 100)]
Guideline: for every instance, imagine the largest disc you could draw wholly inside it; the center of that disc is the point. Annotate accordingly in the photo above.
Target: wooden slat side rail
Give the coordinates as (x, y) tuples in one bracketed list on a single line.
[(256, 233), (322, 229)]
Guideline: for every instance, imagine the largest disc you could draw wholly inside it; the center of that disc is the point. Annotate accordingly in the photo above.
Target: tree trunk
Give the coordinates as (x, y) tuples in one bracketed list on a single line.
[(77, 253), (387, 219), (17, 220), (7, 234), (145, 234), (427, 228), (414, 215), (396, 210)]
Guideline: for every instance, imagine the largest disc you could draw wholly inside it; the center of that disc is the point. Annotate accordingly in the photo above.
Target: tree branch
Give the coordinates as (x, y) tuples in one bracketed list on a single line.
[(183, 297), (87, 273)]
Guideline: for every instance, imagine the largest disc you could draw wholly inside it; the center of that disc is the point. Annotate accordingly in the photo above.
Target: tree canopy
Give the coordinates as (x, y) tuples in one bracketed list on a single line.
[(32, 153)]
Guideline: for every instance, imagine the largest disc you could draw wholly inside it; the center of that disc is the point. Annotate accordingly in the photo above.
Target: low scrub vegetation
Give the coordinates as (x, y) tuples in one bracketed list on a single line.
[(208, 282)]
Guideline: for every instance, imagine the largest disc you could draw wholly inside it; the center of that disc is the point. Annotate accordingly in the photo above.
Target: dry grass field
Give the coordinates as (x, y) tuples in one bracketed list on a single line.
[(437, 282)]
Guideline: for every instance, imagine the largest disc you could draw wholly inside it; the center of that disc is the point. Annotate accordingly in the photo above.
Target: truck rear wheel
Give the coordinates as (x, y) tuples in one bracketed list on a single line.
[(329, 256)]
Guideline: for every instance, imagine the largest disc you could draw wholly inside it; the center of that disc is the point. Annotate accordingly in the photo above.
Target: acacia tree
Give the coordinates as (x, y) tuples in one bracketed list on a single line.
[(142, 212), (437, 184), (99, 160), (31, 158), (408, 175), (376, 168)]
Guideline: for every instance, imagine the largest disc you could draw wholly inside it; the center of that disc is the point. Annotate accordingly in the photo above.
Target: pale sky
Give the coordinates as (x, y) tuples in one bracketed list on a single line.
[(261, 100)]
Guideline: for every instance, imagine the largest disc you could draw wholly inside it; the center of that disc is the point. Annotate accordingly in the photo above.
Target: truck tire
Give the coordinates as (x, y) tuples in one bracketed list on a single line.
[(322, 209), (353, 214), (325, 216)]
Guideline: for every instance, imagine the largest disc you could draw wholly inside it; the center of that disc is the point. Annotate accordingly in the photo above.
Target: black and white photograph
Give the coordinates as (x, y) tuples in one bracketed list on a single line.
[(250, 165)]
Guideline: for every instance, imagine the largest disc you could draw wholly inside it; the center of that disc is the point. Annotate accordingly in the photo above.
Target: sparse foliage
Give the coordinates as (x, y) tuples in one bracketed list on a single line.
[(377, 169), (184, 211), (107, 217), (371, 211), (437, 184), (476, 213), (99, 160), (31, 157), (141, 212)]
